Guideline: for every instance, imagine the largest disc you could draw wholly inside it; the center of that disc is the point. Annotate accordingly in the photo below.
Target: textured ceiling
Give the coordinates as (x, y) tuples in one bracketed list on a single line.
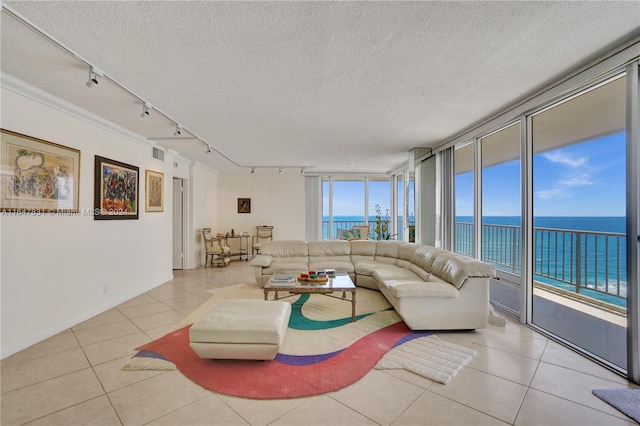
[(337, 86)]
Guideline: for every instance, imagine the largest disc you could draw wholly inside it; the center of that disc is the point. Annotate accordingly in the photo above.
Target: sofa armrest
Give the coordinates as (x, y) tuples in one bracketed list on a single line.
[(422, 289), (262, 261)]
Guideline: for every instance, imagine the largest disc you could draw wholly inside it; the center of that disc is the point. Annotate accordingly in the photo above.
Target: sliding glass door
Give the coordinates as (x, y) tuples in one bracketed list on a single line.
[(501, 232), (579, 221)]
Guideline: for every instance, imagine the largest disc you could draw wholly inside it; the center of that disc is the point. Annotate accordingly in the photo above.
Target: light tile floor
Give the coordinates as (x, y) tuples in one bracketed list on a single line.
[(74, 378)]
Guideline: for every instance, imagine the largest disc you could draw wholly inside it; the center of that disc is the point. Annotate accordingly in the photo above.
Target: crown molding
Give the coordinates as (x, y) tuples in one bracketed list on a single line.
[(12, 84)]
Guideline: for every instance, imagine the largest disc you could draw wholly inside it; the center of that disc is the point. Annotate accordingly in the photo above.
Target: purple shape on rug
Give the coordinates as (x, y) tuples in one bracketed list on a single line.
[(305, 359), (411, 336), (314, 359), (149, 354)]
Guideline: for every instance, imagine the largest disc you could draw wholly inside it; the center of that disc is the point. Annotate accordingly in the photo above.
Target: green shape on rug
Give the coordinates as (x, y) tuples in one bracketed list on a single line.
[(298, 321)]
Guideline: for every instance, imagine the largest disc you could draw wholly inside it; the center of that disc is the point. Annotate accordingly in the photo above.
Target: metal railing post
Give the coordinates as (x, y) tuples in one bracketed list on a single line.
[(578, 261)]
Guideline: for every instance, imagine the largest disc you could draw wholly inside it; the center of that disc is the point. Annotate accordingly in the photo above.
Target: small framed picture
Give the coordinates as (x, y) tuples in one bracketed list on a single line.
[(154, 191), (244, 205), (116, 190)]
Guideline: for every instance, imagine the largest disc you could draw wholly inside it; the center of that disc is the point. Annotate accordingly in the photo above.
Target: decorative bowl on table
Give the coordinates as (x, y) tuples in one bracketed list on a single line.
[(313, 277)]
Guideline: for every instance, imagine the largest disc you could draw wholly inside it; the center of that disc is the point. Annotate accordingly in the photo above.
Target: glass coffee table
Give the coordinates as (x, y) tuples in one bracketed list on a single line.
[(289, 282)]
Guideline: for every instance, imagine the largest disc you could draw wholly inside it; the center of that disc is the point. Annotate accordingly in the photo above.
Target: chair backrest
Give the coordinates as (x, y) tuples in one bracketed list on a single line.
[(264, 232), (363, 230), (207, 237)]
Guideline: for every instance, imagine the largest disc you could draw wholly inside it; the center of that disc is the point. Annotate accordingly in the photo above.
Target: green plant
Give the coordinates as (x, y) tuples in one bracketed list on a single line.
[(381, 229)]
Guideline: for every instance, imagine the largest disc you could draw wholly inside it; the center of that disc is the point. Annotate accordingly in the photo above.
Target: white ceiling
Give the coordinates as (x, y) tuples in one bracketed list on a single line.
[(333, 86)]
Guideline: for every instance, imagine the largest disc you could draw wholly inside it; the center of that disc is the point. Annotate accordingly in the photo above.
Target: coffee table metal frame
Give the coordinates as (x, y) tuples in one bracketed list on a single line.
[(342, 282)]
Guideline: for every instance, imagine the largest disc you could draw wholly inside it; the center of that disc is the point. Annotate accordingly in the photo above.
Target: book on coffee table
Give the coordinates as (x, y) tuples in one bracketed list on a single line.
[(283, 280)]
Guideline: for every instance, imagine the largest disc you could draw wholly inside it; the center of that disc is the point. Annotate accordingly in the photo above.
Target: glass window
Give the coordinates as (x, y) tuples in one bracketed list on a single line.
[(501, 213), (464, 199), (379, 209)]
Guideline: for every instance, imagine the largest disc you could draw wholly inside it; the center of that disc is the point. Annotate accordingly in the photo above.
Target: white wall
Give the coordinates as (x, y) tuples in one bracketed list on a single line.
[(276, 200), (57, 271), (204, 208)]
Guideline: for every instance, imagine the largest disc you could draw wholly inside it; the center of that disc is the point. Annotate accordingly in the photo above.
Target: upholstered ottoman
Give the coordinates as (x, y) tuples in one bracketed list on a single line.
[(241, 329)]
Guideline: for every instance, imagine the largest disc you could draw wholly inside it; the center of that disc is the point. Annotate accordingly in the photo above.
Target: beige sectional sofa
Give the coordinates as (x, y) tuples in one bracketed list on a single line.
[(430, 288)]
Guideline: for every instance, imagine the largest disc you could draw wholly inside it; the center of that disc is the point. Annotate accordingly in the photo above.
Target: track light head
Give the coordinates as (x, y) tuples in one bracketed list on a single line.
[(302, 170), (93, 81), (253, 170), (208, 151), (145, 111), (178, 131), (280, 171)]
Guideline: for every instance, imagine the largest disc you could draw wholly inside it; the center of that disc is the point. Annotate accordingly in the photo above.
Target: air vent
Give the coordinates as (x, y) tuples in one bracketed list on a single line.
[(158, 154)]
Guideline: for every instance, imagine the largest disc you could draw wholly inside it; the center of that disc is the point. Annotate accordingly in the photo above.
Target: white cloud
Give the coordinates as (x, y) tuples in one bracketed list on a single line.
[(567, 160), (583, 179), (552, 194)]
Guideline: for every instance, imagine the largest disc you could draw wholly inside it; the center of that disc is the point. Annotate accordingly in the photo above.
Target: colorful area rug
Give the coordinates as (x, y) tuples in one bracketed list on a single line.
[(323, 351)]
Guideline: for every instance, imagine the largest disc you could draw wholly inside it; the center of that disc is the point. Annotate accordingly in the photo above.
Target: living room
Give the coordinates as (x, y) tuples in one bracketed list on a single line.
[(60, 270)]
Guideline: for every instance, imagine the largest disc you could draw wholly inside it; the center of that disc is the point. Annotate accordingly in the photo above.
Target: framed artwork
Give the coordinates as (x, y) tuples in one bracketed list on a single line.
[(37, 176), (244, 205), (116, 190), (154, 191)]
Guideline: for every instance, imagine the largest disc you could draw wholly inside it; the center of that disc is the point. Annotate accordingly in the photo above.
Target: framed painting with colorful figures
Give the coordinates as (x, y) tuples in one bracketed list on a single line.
[(37, 176), (154, 191), (116, 190)]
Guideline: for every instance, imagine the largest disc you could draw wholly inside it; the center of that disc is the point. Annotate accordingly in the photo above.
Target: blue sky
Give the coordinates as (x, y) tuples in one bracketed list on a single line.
[(585, 179), (348, 197)]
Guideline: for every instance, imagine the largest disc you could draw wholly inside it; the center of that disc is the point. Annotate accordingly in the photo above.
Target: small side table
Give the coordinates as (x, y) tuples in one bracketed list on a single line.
[(243, 246)]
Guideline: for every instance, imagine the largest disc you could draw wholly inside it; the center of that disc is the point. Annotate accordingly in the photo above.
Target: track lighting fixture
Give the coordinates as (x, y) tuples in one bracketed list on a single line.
[(208, 151), (93, 81), (253, 170), (145, 111), (280, 171), (178, 131)]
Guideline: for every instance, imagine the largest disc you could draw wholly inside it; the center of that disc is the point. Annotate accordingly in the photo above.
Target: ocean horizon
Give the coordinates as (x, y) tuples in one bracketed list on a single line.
[(578, 223)]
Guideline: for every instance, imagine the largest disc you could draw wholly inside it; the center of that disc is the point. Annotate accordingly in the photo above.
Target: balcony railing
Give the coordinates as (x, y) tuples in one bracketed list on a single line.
[(339, 225), (589, 263)]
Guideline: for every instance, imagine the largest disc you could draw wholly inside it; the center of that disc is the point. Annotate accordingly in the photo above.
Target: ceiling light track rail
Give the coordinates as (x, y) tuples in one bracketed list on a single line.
[(93, 81), (280, 169)]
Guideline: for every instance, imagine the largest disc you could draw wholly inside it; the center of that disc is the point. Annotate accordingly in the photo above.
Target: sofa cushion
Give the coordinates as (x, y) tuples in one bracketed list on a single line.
[(406, 251), (393, 273), (363, 250), (292, 248), (424, 256), (334, 254), (366, 267), (329, 248), (387, 251), (287, 256)]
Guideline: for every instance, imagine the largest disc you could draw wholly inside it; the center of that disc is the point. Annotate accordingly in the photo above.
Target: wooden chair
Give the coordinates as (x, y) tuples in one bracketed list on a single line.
[(215, 250), (263, 233)]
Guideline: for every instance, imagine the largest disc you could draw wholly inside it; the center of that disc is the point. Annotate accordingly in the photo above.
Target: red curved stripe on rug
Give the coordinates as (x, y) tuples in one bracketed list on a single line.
[(272, 379)]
